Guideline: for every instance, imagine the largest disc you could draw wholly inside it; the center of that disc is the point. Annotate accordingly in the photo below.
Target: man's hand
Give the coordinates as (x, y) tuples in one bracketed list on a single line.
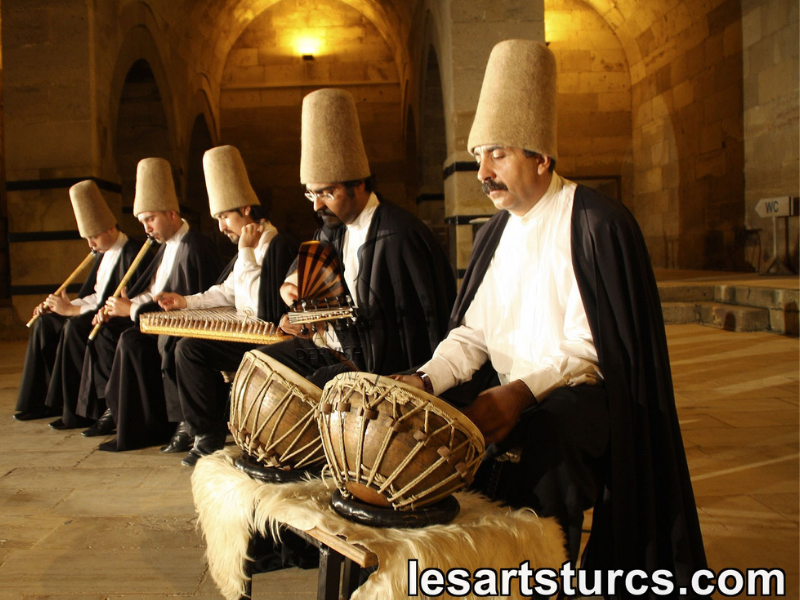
[(119, 307), (289, 293), (496, 410), (170, 300), (61, 305), (250, 235), (101, 316), (39, 309), (412, 380)]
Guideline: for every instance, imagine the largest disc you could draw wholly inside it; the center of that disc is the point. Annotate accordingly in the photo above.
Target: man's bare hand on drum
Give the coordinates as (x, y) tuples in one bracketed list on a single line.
[(496, 410), (412, 380), (170, 300)]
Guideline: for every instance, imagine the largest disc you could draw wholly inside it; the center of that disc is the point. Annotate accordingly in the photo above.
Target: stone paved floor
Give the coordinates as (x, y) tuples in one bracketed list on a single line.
[(79, 523)]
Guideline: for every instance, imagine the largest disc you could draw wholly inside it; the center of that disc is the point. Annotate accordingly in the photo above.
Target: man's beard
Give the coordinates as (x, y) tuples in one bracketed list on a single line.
[(493, 186), (232, 236), (329, 218)]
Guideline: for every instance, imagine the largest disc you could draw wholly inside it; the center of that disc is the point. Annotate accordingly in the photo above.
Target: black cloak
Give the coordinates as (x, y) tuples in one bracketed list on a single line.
[(45, 359), (196, 267), (645, 518), (405, 290)]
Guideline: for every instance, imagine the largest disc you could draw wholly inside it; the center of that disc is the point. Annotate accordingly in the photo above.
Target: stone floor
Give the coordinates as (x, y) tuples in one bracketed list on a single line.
[(83, 524)]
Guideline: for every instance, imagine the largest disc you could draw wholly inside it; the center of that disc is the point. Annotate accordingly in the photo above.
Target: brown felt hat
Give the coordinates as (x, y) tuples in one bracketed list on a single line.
[(517, 105), (155, 188), (226, 180), (332, 148), (91, 211)]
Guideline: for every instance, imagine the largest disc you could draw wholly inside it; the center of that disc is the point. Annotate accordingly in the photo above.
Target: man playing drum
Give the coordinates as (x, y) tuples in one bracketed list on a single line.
[(559, 299), (394, 269), (251, 285), (45, 359)]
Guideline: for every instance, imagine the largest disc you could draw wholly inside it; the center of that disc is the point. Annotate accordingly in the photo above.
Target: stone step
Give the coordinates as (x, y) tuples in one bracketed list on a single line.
[(716, 314), (680, 300)]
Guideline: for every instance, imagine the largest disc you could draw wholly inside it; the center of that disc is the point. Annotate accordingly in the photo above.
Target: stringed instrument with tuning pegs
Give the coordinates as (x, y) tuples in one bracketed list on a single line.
[(321, 293)]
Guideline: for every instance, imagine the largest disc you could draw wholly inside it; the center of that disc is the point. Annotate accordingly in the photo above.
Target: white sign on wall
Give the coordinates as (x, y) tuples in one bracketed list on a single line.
[(782, 206)]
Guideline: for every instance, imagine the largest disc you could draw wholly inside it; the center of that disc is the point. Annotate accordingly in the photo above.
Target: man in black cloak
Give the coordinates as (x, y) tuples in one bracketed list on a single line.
[(186, 261), (252, 286), (60, 319), (394, 269), (559, 320)]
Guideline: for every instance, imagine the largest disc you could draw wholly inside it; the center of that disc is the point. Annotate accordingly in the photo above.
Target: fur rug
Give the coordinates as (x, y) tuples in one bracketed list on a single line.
[(230, 506)]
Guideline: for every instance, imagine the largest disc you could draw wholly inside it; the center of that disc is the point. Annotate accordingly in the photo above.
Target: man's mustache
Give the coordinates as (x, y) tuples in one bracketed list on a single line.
[(493, 186), (326, 212)]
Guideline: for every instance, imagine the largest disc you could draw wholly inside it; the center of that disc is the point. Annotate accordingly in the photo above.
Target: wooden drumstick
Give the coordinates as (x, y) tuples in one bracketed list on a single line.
[(72, 277), (118, 292)]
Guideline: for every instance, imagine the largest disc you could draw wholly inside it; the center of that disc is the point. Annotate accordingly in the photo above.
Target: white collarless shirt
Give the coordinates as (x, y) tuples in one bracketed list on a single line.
[(354, 238), (241, 286), (527, 316), (103, 275), (171, 247)]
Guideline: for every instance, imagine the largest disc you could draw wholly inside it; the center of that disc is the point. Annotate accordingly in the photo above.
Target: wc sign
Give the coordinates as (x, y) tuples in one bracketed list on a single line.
[(782, 206)]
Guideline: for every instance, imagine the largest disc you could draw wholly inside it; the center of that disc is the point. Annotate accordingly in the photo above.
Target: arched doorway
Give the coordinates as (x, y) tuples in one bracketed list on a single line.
[(141, 132)]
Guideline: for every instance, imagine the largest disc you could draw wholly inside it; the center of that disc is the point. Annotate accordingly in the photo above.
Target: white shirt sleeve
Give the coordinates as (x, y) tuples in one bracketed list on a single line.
[(86, 304), (456, 358), (222, 294), (247, 272)]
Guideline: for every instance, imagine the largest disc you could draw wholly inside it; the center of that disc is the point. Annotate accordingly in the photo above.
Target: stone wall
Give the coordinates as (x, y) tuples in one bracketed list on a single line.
[(687, 137), (771, 121), (594, 98), (266, 78)]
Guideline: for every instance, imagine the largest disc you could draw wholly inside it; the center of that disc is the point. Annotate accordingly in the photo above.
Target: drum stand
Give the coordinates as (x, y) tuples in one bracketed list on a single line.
[(340, 563)]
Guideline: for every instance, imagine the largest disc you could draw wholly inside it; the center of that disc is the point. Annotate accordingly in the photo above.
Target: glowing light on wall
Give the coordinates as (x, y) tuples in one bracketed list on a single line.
[(308, 44)]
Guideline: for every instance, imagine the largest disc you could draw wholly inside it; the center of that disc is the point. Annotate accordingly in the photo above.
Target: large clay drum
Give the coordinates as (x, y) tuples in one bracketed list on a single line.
[(272, 414), (392, 445)]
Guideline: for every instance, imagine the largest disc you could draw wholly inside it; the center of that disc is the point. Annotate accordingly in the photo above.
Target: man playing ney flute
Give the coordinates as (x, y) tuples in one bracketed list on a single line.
[(187, 261), (45, 359)]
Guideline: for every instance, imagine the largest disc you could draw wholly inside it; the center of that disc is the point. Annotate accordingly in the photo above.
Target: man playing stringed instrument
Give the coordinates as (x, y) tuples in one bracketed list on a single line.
[(45, 359), (394, 269), (252, 286)]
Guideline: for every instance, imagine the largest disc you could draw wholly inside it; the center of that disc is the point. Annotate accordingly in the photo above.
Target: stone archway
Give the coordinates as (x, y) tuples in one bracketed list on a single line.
[(141, 132), (196, 197)]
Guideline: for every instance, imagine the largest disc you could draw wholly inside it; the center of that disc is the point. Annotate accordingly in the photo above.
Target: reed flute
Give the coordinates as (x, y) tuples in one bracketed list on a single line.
[(72, 277), (129, 273)]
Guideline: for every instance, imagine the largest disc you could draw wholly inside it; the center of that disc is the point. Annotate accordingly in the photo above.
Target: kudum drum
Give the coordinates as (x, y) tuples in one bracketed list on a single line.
[(391, 445), (272, 414)]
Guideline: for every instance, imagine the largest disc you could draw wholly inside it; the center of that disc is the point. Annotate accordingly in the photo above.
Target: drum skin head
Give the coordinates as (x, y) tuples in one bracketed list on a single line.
[(353, 509)]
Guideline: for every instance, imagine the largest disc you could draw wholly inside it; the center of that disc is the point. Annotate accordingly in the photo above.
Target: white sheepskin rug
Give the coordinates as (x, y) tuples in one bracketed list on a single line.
[(231, 506)]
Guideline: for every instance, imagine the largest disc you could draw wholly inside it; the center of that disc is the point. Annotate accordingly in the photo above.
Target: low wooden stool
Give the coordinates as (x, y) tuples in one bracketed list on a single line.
[(234, 509)]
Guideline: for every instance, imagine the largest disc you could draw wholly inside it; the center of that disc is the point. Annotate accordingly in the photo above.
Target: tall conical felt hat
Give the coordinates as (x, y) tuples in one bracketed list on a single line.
[(155, 188), (517, 105), (91, 211), (332, 148), (226, 180)]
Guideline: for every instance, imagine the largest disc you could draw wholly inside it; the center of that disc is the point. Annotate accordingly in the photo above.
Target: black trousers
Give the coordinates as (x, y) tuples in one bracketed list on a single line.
[(563, 441), (40, 358), (62, 394), (318, 365), (135, 393), (96, 368), (202, 391)]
